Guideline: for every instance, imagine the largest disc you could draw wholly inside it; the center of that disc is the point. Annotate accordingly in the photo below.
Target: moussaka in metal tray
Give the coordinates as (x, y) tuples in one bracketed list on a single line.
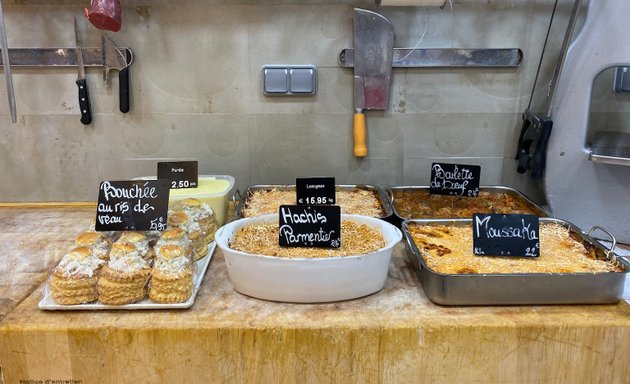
[(469, 288)]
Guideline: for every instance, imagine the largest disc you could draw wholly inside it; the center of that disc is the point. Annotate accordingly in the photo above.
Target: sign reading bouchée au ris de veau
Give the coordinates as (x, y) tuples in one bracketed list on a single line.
[(310, 226), (135, 205), (455, 179)]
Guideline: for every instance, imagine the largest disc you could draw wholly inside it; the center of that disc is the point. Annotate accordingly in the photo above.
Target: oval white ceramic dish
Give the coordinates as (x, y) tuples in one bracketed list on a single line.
[(308, 280)]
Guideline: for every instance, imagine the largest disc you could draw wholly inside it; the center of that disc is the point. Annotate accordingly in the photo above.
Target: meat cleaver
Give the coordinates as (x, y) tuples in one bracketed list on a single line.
[(373, 55), (114, 58)]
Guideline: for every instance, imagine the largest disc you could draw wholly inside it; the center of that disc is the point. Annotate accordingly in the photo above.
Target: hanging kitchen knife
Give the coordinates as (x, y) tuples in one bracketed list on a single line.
[(84, 95), (373, 55), (7, 66), (119, 59)]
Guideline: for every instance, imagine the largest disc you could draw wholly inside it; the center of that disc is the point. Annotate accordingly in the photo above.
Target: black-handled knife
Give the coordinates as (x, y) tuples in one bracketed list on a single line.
[(123, 86), (84, 94)]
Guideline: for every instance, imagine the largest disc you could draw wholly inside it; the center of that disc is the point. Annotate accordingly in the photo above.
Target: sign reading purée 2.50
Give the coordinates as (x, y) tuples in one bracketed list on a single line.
[(182, 174)]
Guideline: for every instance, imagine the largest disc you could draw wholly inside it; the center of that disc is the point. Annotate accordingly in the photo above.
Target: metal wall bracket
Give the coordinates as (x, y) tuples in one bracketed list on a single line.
[(446, 58)]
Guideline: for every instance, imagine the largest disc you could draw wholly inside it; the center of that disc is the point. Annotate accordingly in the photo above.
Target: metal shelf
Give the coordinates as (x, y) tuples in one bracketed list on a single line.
[(611, 148)]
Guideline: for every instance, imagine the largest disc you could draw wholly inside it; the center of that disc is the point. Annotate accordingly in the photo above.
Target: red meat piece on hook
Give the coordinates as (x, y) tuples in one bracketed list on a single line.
[(104, 14)]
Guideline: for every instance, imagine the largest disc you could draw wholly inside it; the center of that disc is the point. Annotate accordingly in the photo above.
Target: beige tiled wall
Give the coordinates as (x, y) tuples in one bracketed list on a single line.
[(196, 94)]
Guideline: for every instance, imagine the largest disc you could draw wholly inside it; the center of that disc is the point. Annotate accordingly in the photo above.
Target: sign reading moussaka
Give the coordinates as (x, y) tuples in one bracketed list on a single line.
[(455, 179), (506, 235), (310, 226), (136, 205)]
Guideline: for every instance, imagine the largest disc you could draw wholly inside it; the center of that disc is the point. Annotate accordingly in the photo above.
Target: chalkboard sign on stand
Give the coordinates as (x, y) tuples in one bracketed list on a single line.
[(315, 191), (506, 235), (455, 179), (135, 205), (182, 174), (310, 226)]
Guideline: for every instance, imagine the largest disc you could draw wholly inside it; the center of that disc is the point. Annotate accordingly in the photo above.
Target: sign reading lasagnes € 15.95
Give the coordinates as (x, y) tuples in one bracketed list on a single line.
[(506, 235), (315, 191)]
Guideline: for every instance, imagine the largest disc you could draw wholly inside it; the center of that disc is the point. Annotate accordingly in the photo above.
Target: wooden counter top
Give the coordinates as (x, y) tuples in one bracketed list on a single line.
[(396, 335)]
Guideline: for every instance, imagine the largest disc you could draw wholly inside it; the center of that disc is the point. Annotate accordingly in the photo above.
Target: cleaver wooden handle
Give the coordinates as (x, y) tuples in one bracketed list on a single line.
[(360, 149)]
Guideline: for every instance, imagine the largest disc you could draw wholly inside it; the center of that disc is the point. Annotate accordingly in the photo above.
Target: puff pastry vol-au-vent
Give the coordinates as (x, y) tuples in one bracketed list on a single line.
[(201, 213), (179, 219), (124, 279), (75, 278), (98, 243), (171, 280), (140, 241), (175, 236)]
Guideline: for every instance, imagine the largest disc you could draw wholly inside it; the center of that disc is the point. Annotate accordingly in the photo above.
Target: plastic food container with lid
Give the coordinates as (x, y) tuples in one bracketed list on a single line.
[(211, 189)]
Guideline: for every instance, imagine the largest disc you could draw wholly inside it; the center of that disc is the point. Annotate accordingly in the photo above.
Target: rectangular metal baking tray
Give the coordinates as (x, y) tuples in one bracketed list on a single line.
[(47, 302), (523, 288), (535, 208), (241, 200)]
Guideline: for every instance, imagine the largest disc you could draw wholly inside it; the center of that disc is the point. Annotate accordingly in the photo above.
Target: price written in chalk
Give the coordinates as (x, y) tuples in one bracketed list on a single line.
[(134, 205), (506, 235)]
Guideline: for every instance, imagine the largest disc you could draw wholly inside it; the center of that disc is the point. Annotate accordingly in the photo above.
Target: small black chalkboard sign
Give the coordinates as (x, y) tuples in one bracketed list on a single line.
[(136, 205), (310, 226), (455, 179), (182, 174), (506, 235), (315, 191)]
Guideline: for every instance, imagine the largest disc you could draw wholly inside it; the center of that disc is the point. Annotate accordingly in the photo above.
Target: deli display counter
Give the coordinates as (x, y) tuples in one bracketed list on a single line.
[(395, 335)]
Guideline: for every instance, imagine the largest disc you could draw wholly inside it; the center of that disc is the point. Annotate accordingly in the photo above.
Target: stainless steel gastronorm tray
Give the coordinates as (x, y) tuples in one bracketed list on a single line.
[(241, 200), (522, 288), (535, 208)]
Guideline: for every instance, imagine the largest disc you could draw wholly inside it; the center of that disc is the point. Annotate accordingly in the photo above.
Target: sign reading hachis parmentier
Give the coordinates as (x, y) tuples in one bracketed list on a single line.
[(182, 174), (310, 226), (455, 179), (506, 235), (315, 191), (135, 205)]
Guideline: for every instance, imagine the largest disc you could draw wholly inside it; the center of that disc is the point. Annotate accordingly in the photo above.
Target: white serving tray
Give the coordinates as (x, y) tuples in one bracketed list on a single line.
[(48, 304)]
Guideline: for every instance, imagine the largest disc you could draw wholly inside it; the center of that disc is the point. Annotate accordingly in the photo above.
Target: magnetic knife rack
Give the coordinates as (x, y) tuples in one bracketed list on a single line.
[(64, 57), (446, 58)]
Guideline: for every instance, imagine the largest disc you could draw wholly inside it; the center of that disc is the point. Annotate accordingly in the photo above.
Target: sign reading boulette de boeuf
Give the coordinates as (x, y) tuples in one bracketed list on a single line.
[(135, 205), (182, 174), (506, 235), (310, 226), (455, 179)]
